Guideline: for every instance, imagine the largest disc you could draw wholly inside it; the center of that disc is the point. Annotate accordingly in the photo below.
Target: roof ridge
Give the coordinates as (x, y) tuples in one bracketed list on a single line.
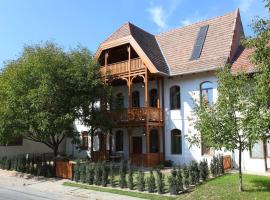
[(193, 24)]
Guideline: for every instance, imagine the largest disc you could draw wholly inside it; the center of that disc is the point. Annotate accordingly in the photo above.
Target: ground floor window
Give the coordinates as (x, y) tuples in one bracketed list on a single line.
[(176, 141), (84, 140), (119, 141), (154, 140), (257, 149)]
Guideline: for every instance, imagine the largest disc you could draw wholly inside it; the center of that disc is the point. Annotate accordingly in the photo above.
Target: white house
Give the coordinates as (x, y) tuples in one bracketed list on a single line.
[(157, 79)]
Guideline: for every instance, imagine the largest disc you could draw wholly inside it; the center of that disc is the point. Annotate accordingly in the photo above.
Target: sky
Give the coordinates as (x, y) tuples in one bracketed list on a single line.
[(88, 22)]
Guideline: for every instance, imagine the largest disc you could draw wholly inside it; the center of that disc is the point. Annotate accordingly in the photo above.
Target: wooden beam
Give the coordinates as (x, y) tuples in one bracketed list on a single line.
[(163, 117)]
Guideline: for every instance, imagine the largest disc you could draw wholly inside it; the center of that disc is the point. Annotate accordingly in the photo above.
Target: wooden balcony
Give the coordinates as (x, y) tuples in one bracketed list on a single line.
[(122, 67), (137, 115)]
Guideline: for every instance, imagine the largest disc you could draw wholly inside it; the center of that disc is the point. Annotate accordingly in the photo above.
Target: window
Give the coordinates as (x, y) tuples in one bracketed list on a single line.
[(136, 99), (256, 150), (154, 147), (119, 141), (153, 98), (176, 141), (119, 103), (206, 92), (175, 97), (268, 148), (84, 140)]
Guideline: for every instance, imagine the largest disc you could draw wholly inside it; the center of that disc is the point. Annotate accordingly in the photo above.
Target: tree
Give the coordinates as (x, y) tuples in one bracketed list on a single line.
[(227, 123), (259, 43), (45, 90)]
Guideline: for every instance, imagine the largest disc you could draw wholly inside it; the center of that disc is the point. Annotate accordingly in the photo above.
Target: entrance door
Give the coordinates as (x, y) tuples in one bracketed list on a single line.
[(137, 145)]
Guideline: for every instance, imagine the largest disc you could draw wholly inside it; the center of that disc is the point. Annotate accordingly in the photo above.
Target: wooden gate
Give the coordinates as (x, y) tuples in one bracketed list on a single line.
[(63, 169), (227, 163)]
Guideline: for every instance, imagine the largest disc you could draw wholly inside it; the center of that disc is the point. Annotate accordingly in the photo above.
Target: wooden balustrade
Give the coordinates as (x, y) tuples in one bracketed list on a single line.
[(122, 67), (137, 114)]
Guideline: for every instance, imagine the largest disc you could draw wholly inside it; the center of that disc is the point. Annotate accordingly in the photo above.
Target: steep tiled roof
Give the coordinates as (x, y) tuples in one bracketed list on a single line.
[(242, 62), (146, 41), (170, 52), (177, 45)]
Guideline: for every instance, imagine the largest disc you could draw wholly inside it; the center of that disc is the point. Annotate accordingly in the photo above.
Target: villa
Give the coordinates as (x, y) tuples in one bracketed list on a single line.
[(157, 80)]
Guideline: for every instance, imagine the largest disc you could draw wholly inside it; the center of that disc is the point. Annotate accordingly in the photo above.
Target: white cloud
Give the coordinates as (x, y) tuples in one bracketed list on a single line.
[(245, 5), (158, 16)]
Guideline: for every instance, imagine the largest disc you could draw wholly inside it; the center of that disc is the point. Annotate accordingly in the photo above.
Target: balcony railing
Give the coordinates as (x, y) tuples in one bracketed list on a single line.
[(137, 114), (122, 67)]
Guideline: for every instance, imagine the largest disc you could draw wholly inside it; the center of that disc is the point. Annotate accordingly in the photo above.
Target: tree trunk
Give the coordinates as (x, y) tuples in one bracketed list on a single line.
[(55, 150), (240, 170)]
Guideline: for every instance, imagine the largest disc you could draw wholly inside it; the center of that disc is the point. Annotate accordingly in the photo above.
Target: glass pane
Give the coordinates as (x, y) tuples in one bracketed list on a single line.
[(257, 150)]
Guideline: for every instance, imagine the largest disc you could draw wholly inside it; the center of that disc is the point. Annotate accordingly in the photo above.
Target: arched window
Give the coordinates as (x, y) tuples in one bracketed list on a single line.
[(206, 92), (175, 97), (176, 141), (153, 98), (136, 99), (154, 146), (119, 141), (119, 102)]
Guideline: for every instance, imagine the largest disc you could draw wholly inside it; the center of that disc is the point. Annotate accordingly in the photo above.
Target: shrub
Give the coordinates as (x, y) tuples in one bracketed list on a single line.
[(220, 165), (104, 174), (204, 170), (173, 183), (76, 171), (186, 176), (82, 170), (214, 166), (160, 181), (98, 174), (122, 174), (90, 174), (168, 163), (112, 175), (194, 173), (179, 178), (140, 180), (130, 176), (151, 183)]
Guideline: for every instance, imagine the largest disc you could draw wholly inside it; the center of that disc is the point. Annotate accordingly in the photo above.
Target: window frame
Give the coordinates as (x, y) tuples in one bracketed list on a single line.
[(122, 145), (206, 89), (178, 98), (173, 131), (85, 140)]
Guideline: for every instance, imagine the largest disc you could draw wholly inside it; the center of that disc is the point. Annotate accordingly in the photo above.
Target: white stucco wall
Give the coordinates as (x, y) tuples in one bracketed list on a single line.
[(28, 147)]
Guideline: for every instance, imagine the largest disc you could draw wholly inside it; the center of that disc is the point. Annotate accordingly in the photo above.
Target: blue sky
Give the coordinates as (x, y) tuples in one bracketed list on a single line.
[(88, 22)]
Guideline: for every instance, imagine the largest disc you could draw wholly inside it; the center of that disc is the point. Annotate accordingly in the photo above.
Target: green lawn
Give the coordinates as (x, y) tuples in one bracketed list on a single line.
[(225, 187)]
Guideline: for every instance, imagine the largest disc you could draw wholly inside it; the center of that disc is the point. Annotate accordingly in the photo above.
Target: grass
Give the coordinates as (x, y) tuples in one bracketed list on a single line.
[(221, 188)]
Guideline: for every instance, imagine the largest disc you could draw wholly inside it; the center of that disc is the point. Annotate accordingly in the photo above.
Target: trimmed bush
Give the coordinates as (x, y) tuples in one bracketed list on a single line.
[(82, 169), (105, 173), (122, 174), (214, 166), (179, 178), (98, 174), (76, 171), (220, 165), (140, 180), (130, 176), (160, 181), (112, 175), (204, 170), (186, 176), (151, 183), (194, 173), (90, 174), (173, 183)]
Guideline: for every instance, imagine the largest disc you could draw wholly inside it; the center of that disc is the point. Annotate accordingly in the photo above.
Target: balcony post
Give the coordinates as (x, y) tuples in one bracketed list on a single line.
[(129, 78), (163, 117), (106, 63), (146, 111)]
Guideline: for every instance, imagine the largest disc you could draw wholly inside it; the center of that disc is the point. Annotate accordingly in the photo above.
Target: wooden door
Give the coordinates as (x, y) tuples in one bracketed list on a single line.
[(137, 145)]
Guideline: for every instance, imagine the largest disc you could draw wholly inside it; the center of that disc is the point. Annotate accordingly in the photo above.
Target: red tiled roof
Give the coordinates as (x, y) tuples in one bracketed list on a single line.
[(242, 62), (170, 52)]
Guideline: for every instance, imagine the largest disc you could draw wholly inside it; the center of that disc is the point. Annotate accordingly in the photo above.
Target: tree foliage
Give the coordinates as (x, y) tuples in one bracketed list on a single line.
[(45, 90)]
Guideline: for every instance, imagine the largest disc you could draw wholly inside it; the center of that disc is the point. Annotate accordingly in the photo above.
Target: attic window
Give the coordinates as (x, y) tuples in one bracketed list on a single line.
[(197, 49)]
